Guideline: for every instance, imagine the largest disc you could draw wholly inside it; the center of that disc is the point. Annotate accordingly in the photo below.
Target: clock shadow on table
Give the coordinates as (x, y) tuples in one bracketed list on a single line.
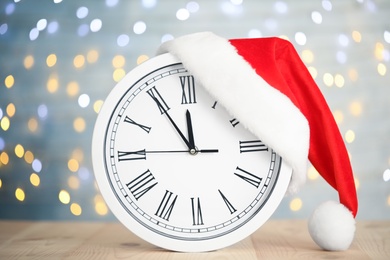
[(274, 240), (249, 248)]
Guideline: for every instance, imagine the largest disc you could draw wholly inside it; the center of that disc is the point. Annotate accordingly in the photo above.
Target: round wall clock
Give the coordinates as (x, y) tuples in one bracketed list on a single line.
[(176, 168)]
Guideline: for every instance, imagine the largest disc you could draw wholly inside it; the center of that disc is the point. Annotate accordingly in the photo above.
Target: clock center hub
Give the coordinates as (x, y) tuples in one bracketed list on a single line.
[(194, 151)]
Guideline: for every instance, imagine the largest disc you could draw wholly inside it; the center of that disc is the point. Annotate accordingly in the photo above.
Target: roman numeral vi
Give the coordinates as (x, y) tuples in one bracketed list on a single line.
[(197, 218)]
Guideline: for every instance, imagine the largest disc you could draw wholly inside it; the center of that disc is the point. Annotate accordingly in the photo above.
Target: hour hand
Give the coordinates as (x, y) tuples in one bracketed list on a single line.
[(190, 130)]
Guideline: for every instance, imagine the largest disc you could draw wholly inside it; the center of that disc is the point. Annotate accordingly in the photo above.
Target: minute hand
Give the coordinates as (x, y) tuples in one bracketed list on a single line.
[(174, 124), (183, 151)]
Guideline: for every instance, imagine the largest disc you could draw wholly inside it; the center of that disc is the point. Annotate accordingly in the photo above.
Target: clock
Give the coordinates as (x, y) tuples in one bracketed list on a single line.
[(176, 168)]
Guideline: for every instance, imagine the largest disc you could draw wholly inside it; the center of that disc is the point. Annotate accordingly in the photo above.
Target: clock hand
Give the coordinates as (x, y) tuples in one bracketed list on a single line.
[(190, 130), (185, 151), (174, 125)]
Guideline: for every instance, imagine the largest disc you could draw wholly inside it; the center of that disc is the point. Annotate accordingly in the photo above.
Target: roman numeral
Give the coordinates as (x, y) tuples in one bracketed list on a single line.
[(142, 184), (129, 156), (228, 204), (197, 218), (252, 146), (166, 206), (143, 127), (215, 103), (248, 177), (161, 104), (188, 89), (234, 122)]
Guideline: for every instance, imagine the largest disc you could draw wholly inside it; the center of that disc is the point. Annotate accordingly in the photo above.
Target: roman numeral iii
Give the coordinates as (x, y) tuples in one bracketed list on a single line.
[(166, 206), (188, 89), (252, 146), (142, 184)]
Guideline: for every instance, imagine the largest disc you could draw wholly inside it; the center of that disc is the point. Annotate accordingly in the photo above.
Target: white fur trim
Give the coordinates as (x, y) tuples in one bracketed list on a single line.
[(332, 226), (262, 109)]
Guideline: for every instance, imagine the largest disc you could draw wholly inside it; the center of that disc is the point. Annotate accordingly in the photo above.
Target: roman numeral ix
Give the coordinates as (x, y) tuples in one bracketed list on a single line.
[(129, 156)]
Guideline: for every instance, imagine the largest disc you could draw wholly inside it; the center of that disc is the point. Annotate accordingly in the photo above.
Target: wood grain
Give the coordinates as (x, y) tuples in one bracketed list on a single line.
[(277, 239)]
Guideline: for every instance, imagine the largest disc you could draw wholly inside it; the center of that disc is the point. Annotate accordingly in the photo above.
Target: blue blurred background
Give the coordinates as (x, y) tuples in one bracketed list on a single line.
[(60, 59)]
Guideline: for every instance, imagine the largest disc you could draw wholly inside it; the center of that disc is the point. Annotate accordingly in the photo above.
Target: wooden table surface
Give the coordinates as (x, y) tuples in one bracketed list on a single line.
[(277, 239)]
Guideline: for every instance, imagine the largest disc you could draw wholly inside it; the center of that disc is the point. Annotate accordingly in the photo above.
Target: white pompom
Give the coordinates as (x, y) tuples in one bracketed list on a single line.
[(332, 226)]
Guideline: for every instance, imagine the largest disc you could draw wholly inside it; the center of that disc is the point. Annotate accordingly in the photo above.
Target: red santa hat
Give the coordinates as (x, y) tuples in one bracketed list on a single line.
[(264, 84)]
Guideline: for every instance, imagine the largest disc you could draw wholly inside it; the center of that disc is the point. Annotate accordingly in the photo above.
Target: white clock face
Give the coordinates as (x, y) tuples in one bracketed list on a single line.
[(175, 168)]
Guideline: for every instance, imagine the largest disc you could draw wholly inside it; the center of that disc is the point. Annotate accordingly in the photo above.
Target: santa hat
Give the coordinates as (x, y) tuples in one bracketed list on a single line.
[(266, 86)]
